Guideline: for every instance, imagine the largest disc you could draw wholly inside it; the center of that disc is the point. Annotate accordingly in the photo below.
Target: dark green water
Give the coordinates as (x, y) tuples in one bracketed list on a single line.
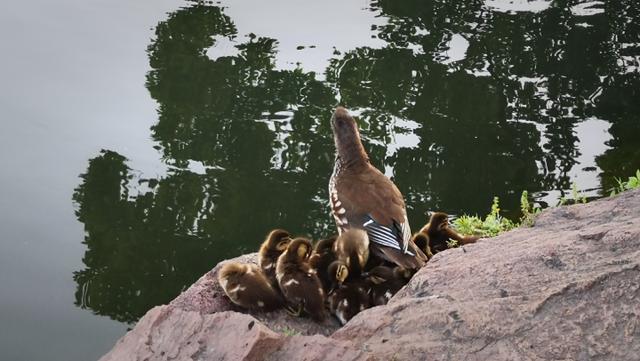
[(213, 120)]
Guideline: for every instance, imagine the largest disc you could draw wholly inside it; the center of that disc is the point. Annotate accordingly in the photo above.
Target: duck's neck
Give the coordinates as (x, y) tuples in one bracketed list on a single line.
[(350, 152)]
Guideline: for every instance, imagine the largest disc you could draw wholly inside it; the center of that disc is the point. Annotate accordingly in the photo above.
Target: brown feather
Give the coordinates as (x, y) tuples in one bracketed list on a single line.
[(367, 191)]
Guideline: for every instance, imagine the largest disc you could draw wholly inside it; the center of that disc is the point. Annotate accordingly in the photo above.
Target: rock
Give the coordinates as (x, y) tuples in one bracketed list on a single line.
[(566, 289), (206, 296)]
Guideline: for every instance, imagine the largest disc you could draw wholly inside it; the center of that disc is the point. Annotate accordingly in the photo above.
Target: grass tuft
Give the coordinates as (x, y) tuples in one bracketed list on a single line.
[(630, 183), (492, 225), (287, 331)]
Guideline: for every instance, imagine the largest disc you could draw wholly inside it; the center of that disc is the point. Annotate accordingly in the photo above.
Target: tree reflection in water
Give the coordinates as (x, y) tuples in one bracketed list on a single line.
[(464, 103)]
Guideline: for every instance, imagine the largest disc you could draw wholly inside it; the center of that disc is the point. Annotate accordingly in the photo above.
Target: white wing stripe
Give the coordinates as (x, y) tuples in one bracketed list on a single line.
[(383, 239), (389, 237), (383, 236)]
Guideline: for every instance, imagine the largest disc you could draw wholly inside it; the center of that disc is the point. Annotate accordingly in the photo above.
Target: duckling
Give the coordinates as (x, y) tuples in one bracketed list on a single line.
[(422, 241), (338, 272), (272, 247), (352, 249), (385, 281), (321, 258), (439, 233), (348, 300), (248, 287), (298, 281)]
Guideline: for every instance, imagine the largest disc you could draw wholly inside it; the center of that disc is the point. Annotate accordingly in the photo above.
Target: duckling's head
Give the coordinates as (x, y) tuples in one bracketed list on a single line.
[(277, 240), (338, 271), (230, 271), (439, 220), (300, 248), (325, 246), (353, 242), (379, 274)]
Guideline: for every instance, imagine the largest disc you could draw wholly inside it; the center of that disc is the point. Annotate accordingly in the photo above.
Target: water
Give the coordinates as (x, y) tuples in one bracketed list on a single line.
[(142, 143)]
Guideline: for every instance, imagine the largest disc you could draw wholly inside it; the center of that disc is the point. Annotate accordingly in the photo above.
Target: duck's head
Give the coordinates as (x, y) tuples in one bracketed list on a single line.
[(346, 136)]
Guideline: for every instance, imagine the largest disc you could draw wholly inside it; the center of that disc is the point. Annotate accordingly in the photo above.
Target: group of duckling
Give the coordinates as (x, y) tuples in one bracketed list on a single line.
[(337, 274)]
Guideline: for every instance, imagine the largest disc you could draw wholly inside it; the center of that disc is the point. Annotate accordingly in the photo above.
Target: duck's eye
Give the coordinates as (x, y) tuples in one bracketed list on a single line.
[(282, 245)]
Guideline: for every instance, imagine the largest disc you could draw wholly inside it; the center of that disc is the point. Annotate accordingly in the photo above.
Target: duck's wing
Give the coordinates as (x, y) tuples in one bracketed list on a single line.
[(369, 200), (406, 260)]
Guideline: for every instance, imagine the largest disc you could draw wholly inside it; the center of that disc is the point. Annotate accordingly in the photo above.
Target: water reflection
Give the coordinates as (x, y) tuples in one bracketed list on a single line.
[(462, 103)]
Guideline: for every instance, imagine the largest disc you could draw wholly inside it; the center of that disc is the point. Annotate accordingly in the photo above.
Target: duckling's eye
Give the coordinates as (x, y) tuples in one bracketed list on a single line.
[(282, 245)]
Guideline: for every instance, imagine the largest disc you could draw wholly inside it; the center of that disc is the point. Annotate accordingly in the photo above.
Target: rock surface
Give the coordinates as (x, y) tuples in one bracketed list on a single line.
[(566, 289)]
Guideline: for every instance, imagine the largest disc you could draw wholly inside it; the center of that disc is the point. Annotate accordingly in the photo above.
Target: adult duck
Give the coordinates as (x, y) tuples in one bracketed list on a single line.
[(363, 198)]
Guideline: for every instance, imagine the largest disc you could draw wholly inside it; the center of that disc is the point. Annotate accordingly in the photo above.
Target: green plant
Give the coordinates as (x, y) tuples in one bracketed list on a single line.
[(578, 196), (562, 201), (289, 331), (630, 183), (529, 211), (466, 224), (492, 225)]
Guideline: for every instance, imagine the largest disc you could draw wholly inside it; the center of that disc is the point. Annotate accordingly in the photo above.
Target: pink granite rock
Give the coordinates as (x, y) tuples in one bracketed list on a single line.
[(566, 289)]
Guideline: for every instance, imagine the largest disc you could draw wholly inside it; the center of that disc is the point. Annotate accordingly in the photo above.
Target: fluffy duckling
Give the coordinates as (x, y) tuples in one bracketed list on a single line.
[(352, 249), (321, 258), (298, 281), (272, 247), (440, 232), (348, 299), (248, 287), (338, 272), (422, 241), (385, 281)]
